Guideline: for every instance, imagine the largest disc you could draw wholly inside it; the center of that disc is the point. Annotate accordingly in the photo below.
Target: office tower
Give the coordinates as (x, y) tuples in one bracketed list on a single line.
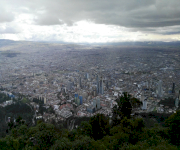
[(177, 102), (94, 103), (80, 85), (90, 109), (75, 98), (106, 84), (173, 88), (81, 100), (101, 89), (98, 103), (94, 93), (109, 84), (78, 101), (45, 100), (69, 85), (97, 81), (111, 104), (87, 75), (142, 97), (144, 107), (160, 88)]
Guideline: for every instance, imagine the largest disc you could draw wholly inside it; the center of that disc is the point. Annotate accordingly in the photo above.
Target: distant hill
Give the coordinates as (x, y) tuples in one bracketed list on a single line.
[(175, 44), (4, 42)]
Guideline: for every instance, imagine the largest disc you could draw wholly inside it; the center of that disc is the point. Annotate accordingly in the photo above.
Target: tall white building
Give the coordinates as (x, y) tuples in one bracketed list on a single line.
[(160, 88), (144, 105), (177, 102)]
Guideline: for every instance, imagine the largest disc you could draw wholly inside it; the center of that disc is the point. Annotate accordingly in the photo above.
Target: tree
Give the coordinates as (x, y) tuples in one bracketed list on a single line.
[(85, 128), (100, 126), (62, 143), (136, 103), (72, 135), (173, 122), (122, 109), (84, 143), (46, 136)]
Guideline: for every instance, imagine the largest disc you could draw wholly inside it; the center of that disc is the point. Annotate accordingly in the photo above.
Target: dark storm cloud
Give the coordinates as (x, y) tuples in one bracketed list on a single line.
[(170, 30), (132, 13), (137, 15)]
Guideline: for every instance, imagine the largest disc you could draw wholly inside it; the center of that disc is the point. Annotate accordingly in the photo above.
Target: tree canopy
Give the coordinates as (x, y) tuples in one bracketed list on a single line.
[(122, 109)]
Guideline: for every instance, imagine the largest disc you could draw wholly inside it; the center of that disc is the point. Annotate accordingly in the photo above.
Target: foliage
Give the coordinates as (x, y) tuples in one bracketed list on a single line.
[(93, 133), (168, 102), (14, 111), (122, 109), (40, 102), (4, 97), (136, 103), (25, 100), (173, 122), (100, 126), (152, 117), (85, 129), (129, 134)]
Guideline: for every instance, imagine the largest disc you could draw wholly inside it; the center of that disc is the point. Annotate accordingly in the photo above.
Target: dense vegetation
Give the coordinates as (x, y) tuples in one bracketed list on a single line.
[(168, 102), (14, 111), (37, 101), (4, 97), (97, 132)]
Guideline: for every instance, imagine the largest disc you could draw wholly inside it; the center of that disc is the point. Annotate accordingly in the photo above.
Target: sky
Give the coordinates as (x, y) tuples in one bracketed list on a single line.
[(90, 21)]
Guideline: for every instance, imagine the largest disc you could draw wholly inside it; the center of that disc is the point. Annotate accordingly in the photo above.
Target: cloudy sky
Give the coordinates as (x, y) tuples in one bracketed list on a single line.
[(90, 21)]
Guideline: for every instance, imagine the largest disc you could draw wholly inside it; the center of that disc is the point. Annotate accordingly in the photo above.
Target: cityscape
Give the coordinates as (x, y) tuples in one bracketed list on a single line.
[(82, 80), (89, 74)]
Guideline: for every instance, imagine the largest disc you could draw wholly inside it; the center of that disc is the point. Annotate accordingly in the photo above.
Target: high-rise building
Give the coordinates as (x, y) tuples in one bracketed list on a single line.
[(98, 103), (177, 102), (94, 92), (144, 107), (173, 88), (90, 109), (76, 97), (69, 85), (78, 101), (87, 75), (106, 84), (101, 89), (94, 103), (81, 100), (160, 88), (80, 85), (97, 81), (45, 101)]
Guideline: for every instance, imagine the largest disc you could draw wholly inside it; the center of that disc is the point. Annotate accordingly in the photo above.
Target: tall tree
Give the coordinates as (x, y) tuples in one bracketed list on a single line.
[(122, 109), (173, 122), (100, 126)]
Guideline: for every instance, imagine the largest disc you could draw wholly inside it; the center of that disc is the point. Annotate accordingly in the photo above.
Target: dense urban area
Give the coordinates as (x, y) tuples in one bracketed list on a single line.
[(57, 82)]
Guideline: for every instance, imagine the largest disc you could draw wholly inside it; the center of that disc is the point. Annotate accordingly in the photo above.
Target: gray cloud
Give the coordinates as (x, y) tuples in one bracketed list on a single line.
[(132, 14), (8, 29), (47, 19), (5, 16), (137, 15)]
